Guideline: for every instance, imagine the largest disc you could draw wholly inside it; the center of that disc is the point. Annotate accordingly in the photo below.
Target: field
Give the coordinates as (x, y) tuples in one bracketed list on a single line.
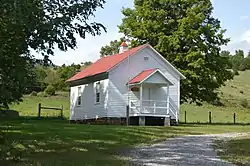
[(56, 142), (234, 93), (29, 106)]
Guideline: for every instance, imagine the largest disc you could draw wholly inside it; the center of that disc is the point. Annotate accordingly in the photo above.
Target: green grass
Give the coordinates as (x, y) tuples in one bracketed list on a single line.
[(29, 106), (234, 93), (231, 98), (56, 142), (236, 150)]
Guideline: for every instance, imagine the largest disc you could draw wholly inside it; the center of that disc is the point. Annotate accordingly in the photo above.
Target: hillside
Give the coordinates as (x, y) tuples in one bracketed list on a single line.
[(29, 106), (234, 93)]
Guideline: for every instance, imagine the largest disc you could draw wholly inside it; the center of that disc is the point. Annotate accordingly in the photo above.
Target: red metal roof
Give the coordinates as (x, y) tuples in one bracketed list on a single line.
[(124, 44), (104, 64), (140, 77)]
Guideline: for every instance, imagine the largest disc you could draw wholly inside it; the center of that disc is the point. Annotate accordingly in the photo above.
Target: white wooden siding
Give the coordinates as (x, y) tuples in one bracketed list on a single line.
[(156, 78), (117, 89), (89, 109)]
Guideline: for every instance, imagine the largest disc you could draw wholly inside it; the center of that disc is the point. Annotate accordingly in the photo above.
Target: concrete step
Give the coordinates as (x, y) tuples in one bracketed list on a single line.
[(173, 122)]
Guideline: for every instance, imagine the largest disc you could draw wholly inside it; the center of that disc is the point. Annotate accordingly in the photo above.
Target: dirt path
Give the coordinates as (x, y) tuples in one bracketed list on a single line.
[(182, 151)]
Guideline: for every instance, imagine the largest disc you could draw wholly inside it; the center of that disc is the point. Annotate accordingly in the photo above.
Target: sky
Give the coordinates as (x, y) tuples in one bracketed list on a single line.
[(234, 16)]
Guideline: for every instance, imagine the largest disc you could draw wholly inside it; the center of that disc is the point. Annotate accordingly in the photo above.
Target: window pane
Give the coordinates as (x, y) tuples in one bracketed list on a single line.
[(97, 97), (79, 91), (79, 102), (97, 87)]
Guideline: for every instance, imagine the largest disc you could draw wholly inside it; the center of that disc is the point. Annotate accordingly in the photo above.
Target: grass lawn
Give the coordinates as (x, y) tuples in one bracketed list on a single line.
[(29, 106), (236, 150), (56, 142)]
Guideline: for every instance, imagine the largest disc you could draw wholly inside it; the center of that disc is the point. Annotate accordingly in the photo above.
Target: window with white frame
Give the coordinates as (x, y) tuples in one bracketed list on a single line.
[(79, 96), (98, 92)]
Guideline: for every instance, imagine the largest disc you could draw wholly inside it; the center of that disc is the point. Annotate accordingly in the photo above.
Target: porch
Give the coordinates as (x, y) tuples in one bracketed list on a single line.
[(150, 97), (154, 108)]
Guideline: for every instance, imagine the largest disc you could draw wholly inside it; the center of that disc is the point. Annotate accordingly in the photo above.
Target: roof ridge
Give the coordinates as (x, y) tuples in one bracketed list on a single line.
[(105, 63), (124, 51)]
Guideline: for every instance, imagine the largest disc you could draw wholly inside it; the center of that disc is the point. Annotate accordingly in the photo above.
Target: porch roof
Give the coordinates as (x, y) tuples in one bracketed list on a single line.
[(145, 75)]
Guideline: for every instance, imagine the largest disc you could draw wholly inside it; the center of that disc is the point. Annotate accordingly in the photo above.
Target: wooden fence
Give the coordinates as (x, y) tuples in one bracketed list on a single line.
[(40, 108), (210, 120)]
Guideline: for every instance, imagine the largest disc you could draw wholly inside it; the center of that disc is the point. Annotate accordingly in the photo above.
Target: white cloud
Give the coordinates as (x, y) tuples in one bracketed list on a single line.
[(242, 43), (244, 18), (246, 36)]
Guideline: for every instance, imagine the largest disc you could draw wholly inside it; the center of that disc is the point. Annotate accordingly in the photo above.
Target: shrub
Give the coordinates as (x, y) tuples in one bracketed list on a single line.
[(50, 90), (236, 73), (244, 103), (42, 94), (33, 93), (241, 92)]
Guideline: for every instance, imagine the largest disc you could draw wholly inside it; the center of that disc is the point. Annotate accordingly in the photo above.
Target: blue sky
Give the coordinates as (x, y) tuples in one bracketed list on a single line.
[(234, 16)]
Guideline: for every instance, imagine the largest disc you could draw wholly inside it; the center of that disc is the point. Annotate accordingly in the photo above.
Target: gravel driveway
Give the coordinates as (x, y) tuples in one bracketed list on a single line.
[(181, 151)]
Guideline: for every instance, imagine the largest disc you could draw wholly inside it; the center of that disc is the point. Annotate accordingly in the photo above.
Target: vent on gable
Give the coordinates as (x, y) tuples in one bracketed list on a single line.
[(146, 58)]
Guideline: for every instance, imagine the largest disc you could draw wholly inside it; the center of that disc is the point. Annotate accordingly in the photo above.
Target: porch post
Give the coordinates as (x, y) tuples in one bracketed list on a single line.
[(141, 88), (141, 117), (168, 100)]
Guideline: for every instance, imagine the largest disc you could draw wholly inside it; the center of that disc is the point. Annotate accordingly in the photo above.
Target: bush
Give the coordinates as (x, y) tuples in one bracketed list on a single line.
[(50, 90), (236, 73), (217, 103), (42, 94), (241, 92), (244, 103), (33, 93)]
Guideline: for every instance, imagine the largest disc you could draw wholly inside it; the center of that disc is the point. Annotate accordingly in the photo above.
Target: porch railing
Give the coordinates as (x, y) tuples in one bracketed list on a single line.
[(153, 107), (173, 109)]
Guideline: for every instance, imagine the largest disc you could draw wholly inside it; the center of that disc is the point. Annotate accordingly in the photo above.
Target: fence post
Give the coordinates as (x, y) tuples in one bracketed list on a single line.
[(127, 115), (39, 110), (185, 117), (234, 118), (62, 112), (210, 117)]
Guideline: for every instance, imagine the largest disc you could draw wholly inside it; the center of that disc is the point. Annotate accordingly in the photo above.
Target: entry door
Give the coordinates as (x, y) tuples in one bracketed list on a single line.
[(146, 94), (146, 97)]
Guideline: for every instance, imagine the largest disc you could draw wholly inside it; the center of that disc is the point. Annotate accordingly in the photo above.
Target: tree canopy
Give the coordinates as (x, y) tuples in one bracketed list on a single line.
[(112, 48), (41, 25), (238, 60), (188, 36)]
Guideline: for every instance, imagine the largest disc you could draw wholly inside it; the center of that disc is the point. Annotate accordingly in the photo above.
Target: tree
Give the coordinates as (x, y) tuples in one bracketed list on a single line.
[(16, 76), (248, 54), (86, 64), (41, 25), (65, 72), (227, 54), (112, 48), (245, 64), (52, 77), (237, 59), (187, 35)]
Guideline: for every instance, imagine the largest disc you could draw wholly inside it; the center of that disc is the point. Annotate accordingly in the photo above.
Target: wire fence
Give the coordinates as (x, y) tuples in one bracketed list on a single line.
[(213, 117)]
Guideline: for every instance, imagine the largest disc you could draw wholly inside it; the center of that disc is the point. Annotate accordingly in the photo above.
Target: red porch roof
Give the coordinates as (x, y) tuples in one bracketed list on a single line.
[(140, 77), (104, 64)]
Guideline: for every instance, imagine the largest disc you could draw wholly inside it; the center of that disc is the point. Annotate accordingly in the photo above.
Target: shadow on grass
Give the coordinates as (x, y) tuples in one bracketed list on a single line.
[(236, 151), (56, 142)]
